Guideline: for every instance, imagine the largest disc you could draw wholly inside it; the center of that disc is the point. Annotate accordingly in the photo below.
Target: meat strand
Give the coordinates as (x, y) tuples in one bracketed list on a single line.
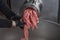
[(31, 18)]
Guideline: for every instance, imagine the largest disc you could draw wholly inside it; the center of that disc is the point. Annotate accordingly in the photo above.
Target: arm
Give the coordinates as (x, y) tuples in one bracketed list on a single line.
[(6, 10), (10, 15)]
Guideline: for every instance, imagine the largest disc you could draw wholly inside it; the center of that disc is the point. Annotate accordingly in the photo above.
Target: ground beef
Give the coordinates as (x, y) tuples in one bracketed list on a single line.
[(31, 18)]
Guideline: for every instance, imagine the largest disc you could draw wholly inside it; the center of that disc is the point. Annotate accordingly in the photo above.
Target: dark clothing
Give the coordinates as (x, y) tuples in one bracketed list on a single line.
[(5, 23), (8, 13), (6, 10)]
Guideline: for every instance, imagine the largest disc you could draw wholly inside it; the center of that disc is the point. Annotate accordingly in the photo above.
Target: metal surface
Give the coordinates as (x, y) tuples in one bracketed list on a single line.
[(46, 30), (50, 10)]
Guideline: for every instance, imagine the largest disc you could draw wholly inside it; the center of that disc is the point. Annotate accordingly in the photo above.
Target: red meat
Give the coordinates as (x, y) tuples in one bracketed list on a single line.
[(31, 18)]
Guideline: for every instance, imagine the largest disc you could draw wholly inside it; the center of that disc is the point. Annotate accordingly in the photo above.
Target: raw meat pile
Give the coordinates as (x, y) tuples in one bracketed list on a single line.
[(31, 18)]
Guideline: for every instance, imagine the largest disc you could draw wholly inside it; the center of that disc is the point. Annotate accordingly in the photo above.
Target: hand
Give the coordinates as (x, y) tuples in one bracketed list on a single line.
[(16, 22), (20, 24)]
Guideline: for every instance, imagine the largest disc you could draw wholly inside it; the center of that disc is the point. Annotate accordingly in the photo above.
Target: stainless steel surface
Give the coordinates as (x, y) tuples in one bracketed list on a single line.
[(46, 30), (50, 10)]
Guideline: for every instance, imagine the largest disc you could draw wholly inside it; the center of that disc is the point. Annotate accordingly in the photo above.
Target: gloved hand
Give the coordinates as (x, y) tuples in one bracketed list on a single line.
[(18, 21)]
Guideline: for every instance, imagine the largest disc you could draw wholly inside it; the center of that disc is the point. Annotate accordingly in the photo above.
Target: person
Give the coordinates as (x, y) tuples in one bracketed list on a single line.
[(12, 20)]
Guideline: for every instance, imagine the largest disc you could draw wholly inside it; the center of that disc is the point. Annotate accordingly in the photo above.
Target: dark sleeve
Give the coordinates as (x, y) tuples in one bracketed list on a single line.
[(5, 23), (6, 10)]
